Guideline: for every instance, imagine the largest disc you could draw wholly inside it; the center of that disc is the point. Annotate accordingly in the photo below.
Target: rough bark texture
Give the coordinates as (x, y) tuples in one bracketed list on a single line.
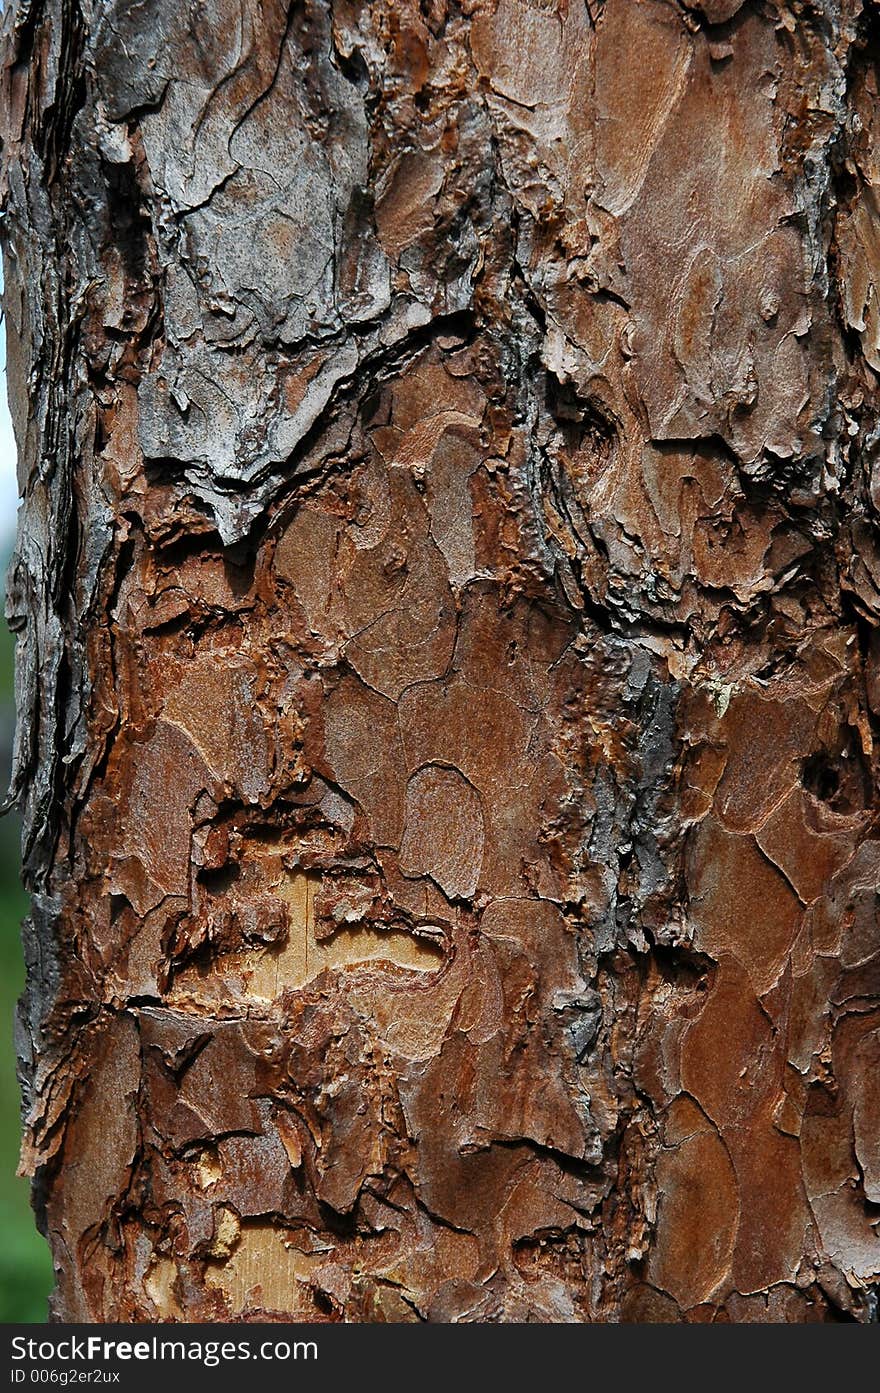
[(447, 593)]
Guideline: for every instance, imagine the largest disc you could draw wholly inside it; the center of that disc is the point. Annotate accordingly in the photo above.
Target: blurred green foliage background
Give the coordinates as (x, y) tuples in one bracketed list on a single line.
[(25, 1266)]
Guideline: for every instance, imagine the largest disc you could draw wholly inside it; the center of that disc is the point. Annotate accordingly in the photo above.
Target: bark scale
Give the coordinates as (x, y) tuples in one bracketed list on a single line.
[(447, 592)]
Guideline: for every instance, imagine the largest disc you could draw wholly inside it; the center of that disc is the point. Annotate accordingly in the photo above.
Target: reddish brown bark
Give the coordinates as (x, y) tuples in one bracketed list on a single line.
[(448, 587)]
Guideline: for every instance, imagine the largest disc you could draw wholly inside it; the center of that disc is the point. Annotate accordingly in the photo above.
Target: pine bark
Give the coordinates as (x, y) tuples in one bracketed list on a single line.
[(447, 592)]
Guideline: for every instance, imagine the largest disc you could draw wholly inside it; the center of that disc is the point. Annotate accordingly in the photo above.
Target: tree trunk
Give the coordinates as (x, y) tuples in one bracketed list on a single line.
[(447, 595)]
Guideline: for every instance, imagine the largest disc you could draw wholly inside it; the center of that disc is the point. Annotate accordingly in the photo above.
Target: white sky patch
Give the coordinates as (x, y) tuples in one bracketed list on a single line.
[(8, 485)]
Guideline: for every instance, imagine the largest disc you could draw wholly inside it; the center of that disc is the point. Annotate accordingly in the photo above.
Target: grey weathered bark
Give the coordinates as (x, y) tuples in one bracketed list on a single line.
[(447, 595)]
